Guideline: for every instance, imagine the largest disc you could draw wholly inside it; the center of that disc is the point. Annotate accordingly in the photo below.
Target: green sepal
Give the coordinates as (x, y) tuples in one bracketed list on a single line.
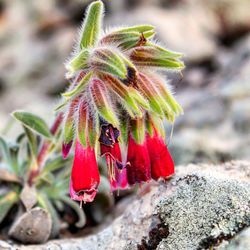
[(102, 102), (149, 125), (149, 56), (137, 127), (124, 128), (69, 123), (123, 92), (82, 126), (79, 62), (164, 52), (167, 95), (92, 25), (93, 129), (107, 60), (157, 123), (138, 28), (147, 88), (139, 98), (79, 87), (127, 40)]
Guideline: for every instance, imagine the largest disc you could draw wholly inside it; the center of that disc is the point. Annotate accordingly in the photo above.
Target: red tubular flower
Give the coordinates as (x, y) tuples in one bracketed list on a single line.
[(110, 148), (138, 162), (85, 176), (162, 164)]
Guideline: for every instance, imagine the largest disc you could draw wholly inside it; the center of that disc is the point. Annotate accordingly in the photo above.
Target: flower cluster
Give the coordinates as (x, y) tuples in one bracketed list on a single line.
[(116, 105)]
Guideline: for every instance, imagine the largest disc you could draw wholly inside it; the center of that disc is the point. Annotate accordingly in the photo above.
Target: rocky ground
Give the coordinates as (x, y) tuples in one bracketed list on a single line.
[(202, 207)]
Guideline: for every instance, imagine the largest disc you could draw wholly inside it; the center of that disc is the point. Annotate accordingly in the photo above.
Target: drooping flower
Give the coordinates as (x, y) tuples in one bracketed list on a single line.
[(111, 150), (138, 162), (116, 98), (162, 164), (85, 176)]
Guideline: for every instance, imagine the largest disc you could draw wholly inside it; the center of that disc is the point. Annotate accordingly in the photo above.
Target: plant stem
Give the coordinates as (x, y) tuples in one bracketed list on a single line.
[(45, 149)]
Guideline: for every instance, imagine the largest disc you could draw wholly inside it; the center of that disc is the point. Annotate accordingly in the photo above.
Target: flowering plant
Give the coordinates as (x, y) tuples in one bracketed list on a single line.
[(116, 104)]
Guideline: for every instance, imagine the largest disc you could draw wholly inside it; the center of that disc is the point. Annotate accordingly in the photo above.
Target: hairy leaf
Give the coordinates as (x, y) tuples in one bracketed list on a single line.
[(33, 122)]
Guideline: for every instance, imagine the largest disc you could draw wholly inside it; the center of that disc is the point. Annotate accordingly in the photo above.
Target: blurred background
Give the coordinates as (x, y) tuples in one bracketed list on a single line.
[(37, 36)]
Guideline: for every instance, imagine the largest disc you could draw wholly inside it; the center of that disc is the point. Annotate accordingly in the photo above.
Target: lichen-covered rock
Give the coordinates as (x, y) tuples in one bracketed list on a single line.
[(202, 211), (203, 206)]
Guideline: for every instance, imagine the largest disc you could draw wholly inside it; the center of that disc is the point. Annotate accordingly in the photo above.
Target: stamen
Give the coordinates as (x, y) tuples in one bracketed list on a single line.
[(80, 203)]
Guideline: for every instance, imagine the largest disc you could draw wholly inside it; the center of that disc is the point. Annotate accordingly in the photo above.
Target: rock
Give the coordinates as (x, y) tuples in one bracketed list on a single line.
[(33, 226), (201, 207)]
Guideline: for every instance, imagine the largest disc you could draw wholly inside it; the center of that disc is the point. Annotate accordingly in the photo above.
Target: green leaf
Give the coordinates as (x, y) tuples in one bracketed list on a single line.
[(6, 203), (9, 154), (55, 164), (5, 152), (32, 141), (79, 211), (33, 122), (92, 25)]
